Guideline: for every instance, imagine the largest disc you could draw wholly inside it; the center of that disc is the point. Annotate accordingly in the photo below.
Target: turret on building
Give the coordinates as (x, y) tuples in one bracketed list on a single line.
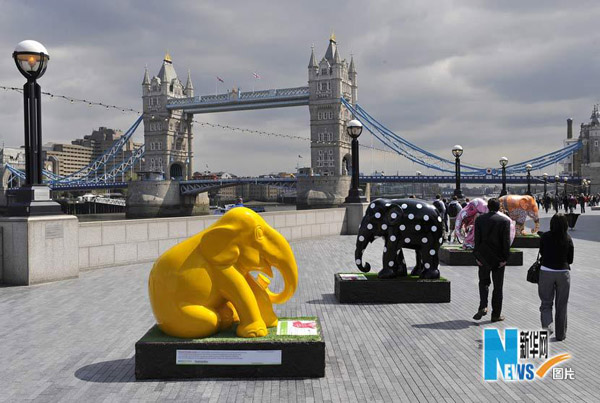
[(167, 134), (329, 80)]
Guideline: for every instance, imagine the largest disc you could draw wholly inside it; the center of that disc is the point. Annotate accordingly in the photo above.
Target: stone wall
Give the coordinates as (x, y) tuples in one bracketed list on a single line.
[(114, 243)]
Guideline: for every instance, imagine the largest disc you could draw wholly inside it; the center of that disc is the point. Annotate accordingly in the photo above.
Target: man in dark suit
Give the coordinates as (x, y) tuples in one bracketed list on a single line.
[(492, 246)]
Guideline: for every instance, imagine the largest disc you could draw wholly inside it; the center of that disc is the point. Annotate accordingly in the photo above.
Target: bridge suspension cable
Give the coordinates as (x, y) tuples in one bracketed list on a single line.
[(425, 158)]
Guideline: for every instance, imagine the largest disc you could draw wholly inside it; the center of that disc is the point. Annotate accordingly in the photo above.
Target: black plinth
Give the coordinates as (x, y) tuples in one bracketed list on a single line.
[(157, 356), (572, 219), (454, 255), (398, 290), (31, 201), (526, 241)]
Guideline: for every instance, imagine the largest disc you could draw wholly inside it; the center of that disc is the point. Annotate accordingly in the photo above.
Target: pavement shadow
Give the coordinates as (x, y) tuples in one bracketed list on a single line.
[(326, 299), (458, 324), (115, 371)]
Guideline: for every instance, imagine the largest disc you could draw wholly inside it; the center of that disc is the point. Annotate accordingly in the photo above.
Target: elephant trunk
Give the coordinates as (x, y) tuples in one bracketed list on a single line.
[(284, 261), (365, 237)]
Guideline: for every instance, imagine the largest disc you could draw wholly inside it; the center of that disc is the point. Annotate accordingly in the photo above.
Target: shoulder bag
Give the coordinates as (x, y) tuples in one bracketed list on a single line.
[(533, 274)]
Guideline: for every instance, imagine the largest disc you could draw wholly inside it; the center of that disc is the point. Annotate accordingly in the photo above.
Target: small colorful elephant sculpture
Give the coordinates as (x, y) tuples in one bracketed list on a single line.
[(465, 222), (404, 223), (204, 284), (518, 208)]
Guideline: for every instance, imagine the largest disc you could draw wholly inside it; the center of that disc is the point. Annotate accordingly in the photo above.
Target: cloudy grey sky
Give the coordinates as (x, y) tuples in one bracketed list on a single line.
[(497, 77)]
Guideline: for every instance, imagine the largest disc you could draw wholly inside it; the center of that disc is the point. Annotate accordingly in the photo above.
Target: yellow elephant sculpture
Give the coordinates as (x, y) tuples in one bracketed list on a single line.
[(204, 284)]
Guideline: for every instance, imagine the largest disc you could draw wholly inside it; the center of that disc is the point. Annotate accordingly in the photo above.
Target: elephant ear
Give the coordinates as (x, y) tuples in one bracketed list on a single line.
[(218, 246)]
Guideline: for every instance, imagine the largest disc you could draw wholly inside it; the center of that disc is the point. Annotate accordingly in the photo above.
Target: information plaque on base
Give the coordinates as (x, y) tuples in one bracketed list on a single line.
[(368, 288), (455, 255), (293, 349)]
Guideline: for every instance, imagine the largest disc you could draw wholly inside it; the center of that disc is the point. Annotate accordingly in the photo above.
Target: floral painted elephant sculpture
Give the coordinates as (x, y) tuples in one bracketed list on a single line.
[(518, 208), (404, 223), (204, 284), (465, 222)]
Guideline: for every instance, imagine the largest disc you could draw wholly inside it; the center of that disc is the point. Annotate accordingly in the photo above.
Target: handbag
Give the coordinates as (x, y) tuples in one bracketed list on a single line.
[(533, 274)]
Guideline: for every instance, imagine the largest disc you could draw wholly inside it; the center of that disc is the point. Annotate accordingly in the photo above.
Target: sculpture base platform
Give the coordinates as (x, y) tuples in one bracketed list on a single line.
[(526, 241), (368, 288), (595, 208), (224, 355), (455, 255)]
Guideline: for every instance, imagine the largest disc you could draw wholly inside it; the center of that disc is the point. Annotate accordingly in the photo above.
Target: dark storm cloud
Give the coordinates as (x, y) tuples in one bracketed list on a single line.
[(496, 77)]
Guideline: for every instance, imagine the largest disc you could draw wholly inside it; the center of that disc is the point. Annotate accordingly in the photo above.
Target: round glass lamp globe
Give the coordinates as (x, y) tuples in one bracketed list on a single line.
[(354, 128), (457, 151), (503, 161), (31, 58)]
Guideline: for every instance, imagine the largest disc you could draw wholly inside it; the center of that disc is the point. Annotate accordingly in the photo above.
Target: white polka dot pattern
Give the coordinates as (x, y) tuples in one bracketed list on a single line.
[(394, 215), (433, 228), (418, 227), (411, 216), (427, 265), (361, 238), (393, 238), (358, 261), (404, 206), (377, 215), (384, 227), (406, 240), (426, 217), (391, 263), (419, 205), (432, 252), (402, 227), (369, 226), (424, 240)]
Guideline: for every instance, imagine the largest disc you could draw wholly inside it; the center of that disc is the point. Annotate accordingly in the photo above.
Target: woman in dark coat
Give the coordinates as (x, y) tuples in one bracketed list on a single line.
[(556, 250)]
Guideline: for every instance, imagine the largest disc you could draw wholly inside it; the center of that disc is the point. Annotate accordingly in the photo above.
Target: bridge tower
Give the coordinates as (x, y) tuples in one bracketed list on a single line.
[(167, 134), (328, 81)]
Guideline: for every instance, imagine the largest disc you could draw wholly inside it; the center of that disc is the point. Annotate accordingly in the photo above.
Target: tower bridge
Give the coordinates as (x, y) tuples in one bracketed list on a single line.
[(331, 96)]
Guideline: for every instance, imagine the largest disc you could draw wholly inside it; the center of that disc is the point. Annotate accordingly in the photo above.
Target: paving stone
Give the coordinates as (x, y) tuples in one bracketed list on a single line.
[(74, 340)]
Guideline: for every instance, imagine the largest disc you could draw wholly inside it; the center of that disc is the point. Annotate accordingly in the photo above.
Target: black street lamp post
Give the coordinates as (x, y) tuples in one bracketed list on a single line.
[(528, 168), (556, 179), (545, 185), (31, 58), (565, 180), (457, 151), (354, 129), (419, 184), (503, 163)]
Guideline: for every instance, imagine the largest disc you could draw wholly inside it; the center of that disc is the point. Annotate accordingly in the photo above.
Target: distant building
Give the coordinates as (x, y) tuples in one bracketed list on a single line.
[(65, 159), (13, 156), (586, 161)]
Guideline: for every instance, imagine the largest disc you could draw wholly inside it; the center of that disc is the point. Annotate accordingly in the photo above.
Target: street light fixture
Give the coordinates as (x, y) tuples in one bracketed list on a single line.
[(528, 167), (32, 58), (556, 179), (503, 163), (589, 187), (354, 129), (419, 181), (565, 180), (457, 151)]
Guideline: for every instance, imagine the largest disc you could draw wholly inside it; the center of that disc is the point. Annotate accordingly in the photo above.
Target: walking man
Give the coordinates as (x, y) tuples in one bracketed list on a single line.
[(492, 246)]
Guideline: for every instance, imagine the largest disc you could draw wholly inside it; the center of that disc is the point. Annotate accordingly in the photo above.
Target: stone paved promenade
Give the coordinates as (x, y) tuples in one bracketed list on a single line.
[(74, 340)]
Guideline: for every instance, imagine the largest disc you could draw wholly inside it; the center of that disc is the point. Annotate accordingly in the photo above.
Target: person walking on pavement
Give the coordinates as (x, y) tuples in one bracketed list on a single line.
[(452, 211), (556, 250), (492, 247), (581, 200)]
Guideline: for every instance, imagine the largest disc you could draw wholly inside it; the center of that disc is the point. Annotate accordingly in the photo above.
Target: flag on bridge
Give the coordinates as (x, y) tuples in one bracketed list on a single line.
[(255, 74), (299, 156), (220, 79)]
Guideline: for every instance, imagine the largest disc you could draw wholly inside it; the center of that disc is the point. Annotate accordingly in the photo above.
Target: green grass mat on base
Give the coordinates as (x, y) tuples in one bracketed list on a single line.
[(373, 276), (459, 248), (155, 335)]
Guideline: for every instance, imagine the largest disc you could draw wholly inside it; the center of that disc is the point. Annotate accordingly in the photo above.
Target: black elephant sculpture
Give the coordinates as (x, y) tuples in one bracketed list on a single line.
[(404, 223)]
